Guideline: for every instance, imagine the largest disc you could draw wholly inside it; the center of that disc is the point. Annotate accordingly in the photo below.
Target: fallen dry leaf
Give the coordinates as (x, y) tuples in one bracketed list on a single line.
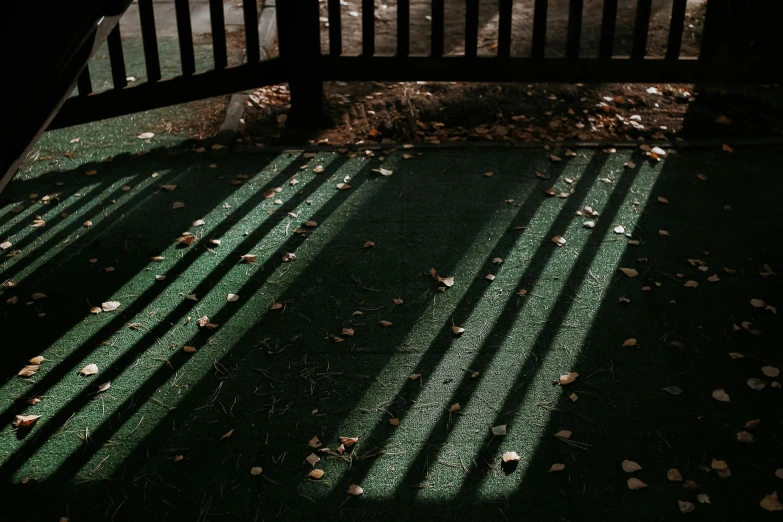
[(415, 376), (29, 370), (634, 483), (256, 470), (227, 434), (510, 456), (394, 421), (691, 284), (178, 204), (145, 135), (557, 467), (736, 355), (674, 475), (354, 489), (771, 503), (745, 436), (721, 395), (90, 369), (186, 239), (568, 378), (719, 464), (316, 474), (686, 507), (674, 390), (25, 421), (564, 434), (457, 330), (232, 298), (37, 359), (559, 240), (703, 498), (168, 187), (105, 386), (110, 306), (630, 342), (189, 349), (630, 466), (752, 424), (758, 303), (500, 430), (756, 384), (630, 272), (770, 371), (397, 301), (454, 407)]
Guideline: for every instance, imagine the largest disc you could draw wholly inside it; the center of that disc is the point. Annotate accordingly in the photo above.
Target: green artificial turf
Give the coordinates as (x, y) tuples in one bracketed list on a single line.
[(156, 444)]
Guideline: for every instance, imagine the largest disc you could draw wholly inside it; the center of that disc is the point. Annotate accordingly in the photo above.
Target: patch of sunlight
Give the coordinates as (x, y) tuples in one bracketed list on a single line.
[(516, 381), (134, 427), (65, 222), (418, 423)]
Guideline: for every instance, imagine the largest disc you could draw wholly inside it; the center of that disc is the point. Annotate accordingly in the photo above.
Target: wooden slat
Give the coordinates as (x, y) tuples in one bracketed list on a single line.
[(149, 40), (368, 27), (84, 82), (504, 28), (677, 25), (185, 36), (608, 24), (252, 45), (641, 28), (539, 28), (471, 27), (574, 28), (335, 29), (403, 27), (218, 23), (436, 40), (117, 59)]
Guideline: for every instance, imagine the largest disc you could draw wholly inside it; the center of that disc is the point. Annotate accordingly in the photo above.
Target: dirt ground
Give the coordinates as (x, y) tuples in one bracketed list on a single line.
[(440, 112)]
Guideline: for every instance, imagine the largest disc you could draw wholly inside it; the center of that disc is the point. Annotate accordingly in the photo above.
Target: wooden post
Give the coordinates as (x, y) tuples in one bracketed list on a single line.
[(299, 38)]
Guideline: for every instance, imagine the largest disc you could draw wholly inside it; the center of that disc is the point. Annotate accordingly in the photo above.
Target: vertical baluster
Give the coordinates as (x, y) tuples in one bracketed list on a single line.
[(641, 28), (539, 28), (676, 26), (504, 28), (368, 27), (335, 29), (217, 20), (574, 28), (252, 45), (608, 24), (403, 27), (436, 41), (117, 59), (83, 82), (149, 40), (471, 28)]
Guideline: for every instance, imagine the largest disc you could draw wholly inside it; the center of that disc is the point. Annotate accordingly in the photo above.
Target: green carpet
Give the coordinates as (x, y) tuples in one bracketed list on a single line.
[(176, 435)]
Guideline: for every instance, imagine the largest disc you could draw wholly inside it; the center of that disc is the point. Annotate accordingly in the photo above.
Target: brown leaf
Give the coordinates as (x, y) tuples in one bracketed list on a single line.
[(756, 384), (187, 239), (630, 272), (316, 474), (770, 371), (454, 407), (703, 498), (691, 284), (394, 421), (256, 470), (314, 442), (568, 378), (457, 330), (634, 483), (353, 489), (29, 370), (719, 464), (231, 298), (38, 223), (415, 376), (758, 303), (751, 424), (313, 459), (674, 390), (630, 466), (385, 323), (37, 359), (158, 258), (630, 342), (177, 204), (189, 349), (105, 386), (397, 301), (25, 421), (745, 436), (90, 369), (771, 503), (674, 475), (557, 467), (559, 240), (721, 395), (564, 434), (736, 355), (227, 434), (686, 507), (510, 456)]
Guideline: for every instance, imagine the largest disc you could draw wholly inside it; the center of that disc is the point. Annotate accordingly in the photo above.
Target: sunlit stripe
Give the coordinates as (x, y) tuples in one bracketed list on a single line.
[(429, 326), (142, 283), (243, 320)]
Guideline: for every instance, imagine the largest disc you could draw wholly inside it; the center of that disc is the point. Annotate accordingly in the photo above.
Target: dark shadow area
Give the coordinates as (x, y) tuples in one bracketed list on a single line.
[(281, 378)]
